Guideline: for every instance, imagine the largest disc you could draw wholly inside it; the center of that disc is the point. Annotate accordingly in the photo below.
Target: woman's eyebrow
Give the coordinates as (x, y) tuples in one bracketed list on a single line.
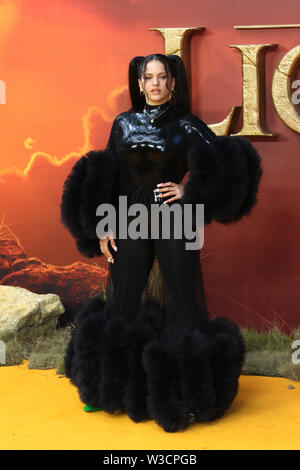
[(148, 73)]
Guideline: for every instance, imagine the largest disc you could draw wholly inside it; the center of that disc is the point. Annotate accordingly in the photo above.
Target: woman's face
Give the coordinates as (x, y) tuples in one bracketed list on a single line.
[(154, 83)]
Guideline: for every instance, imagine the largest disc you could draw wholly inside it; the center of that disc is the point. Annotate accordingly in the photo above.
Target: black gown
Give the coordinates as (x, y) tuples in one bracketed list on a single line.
[(130, 352)]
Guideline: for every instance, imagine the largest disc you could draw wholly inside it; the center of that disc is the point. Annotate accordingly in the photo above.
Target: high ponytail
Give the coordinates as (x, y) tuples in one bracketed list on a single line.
[(133, 75), (174, 65), (182, 92)]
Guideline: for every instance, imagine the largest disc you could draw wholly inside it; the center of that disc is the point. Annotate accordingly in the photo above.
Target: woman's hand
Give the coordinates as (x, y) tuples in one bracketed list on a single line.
[(170, 189), (104, 246)]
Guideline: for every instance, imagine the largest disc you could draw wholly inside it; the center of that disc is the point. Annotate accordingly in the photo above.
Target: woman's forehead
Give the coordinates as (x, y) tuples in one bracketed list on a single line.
[(154, 66)]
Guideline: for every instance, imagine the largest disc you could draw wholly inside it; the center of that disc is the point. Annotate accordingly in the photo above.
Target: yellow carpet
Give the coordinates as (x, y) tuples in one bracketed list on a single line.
[(41, 410)]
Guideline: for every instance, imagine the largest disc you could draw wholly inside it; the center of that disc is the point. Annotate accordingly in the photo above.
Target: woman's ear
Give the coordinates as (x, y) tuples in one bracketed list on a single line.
[(173, 84), (140, 84)]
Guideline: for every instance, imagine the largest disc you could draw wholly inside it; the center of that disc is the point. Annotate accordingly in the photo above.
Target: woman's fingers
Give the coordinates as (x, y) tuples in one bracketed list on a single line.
[(172, 199), (105, 248), (168, 183), (113, 244), (169, 193), (166, 186), (170, 189)]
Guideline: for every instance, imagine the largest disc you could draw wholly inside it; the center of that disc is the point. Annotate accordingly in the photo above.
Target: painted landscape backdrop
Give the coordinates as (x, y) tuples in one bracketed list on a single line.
[(64, 64)]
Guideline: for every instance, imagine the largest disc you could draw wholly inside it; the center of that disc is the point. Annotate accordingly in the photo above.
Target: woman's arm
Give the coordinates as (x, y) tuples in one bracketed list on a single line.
[(224, 173), (112, 148), (93, 180)]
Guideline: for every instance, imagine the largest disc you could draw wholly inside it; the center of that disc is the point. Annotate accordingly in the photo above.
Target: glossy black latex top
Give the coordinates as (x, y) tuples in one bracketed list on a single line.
[(155, 152)]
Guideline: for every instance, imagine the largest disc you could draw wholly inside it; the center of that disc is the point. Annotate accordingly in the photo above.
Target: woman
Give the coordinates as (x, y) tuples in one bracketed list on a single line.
[(167, 360)]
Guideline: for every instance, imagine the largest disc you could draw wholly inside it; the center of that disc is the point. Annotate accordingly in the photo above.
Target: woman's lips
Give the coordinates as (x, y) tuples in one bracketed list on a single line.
[(155, 92)]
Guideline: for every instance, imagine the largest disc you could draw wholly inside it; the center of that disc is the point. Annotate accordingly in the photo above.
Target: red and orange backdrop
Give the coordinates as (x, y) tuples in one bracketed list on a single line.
[(64, 64)]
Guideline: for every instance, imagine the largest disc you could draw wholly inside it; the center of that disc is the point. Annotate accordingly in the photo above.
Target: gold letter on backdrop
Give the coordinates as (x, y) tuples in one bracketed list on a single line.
[(254, 98), (177, 41), (284, 75)]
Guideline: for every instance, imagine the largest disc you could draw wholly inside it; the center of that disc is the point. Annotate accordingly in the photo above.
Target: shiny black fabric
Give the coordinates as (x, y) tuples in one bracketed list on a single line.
[(155, 152), (161, 359), (150, 153), (224, 171)]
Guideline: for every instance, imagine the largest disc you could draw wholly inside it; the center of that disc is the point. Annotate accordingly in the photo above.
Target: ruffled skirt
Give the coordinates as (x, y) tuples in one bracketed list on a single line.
[(153, 358)]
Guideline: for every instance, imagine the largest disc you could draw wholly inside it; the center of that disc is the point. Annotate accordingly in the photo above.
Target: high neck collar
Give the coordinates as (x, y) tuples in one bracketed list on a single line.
[(155, 109)]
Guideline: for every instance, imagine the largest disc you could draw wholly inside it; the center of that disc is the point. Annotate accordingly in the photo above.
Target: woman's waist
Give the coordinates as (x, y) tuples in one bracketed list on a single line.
[(143, 193)]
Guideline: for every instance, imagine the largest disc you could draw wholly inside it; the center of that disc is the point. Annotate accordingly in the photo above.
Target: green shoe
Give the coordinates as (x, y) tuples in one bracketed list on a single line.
[(92, 408)]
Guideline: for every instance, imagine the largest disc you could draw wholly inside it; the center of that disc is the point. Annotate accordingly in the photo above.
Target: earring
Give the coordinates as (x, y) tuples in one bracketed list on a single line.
[(172, 97), (142, 92)]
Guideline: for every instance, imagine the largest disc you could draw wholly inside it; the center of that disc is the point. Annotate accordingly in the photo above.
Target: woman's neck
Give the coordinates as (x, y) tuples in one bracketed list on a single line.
[(157, 107)]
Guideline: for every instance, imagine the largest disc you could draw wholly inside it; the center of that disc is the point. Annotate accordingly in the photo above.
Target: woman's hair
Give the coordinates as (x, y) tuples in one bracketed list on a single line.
[(174, 67)]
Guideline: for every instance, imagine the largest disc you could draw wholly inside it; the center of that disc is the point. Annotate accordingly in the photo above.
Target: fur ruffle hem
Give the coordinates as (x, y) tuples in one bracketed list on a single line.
[(128, 368)]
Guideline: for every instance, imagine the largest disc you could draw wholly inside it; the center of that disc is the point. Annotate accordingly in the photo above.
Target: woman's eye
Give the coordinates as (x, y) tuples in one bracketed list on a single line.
[(148, 78)]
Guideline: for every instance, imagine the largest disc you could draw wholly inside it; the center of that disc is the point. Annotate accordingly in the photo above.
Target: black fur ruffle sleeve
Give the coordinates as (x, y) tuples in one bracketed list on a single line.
[(224, 174), (93, 180)]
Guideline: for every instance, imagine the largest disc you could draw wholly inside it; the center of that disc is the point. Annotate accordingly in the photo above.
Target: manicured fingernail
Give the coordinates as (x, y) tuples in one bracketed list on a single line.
[(115, 248), (159, 184)]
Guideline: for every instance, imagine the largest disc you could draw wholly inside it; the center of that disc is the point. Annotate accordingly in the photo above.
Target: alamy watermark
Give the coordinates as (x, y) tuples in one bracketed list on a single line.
[(2, 352), (296, 353), (295, 94), (2, 92), (187, 222)]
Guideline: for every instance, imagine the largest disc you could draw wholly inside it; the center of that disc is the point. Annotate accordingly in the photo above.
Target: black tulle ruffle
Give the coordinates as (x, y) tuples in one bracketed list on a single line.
[(92, 181), (127, 367), (224, 176)]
